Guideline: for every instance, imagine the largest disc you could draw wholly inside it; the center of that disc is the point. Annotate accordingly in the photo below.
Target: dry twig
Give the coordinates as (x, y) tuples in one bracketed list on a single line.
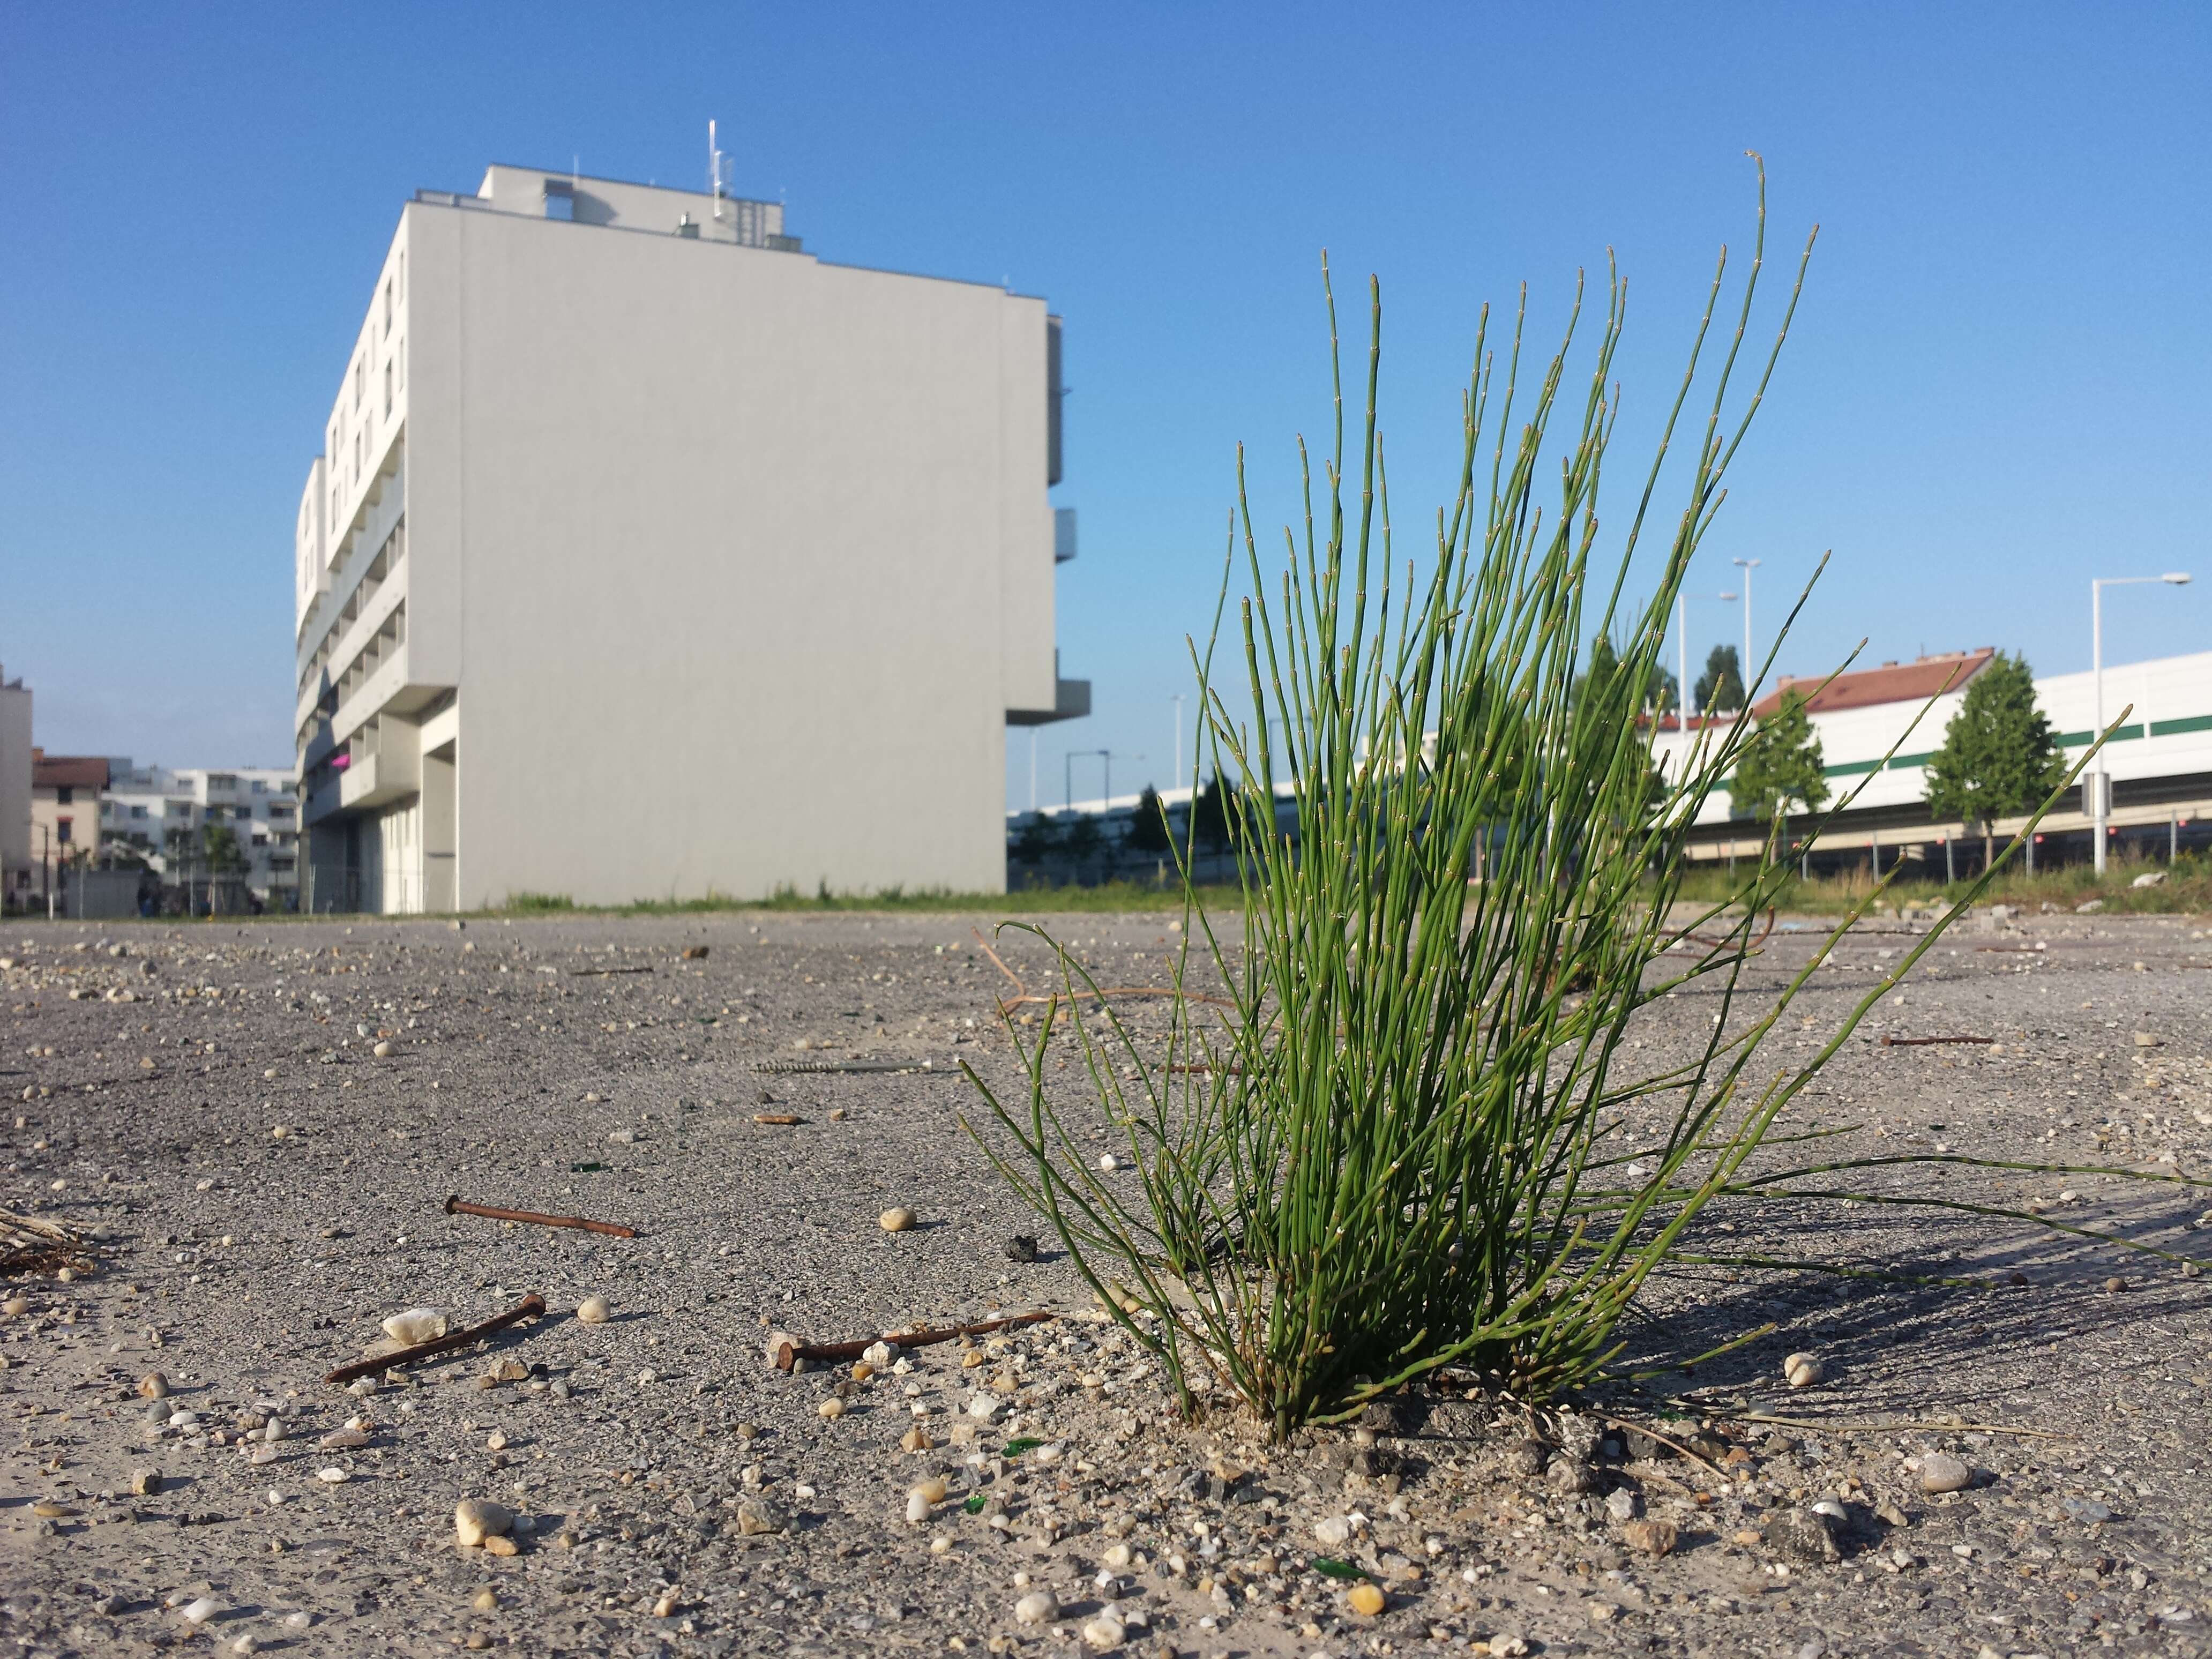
[(457, 1205), (783, 1348)]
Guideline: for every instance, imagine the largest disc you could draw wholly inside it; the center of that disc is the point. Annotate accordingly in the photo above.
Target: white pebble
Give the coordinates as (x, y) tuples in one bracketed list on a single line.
[(1037, 1608), (416, 1325), (200, 1611), (336, 1477), (593, 1310), (1104, 1632)]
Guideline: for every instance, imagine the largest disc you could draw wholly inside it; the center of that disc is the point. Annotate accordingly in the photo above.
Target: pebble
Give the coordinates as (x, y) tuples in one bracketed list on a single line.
[(1622, 1503), (1940, 1472), (897, 1219), (593, 1310), (916, 1439), (382, 1051), (1333, 1530), (246, 1643), (154, 1386), (476, 1519), (1804, 1370), (1021, 1247), (1102, 1633), (879, 1354), (1654, 1538), (757, 1516), (832, 1407), (1365, 1598), (917, 1507), (343, 1440), (334, 1476), (1037, 1608), (198, 1613), (15, 1306), (416, 1325), (145, 1483), (486, 1599), (501, 1544)]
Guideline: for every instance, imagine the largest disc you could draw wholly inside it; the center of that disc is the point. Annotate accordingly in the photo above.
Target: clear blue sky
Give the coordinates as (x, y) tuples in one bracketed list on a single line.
[(1997, 384)]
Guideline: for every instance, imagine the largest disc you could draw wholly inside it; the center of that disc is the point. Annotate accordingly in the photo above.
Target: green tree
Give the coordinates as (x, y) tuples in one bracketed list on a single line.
[(1037, 840), (1148, 830), (1659, 693), (1721, 686), (1210, 821), (1998, 756), (1780, 763), (219, 845)]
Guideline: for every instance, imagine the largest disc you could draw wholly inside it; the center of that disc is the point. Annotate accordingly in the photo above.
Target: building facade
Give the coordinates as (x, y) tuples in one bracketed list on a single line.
[(164, 816), (1878, 727), (649, 556), (16, 882)]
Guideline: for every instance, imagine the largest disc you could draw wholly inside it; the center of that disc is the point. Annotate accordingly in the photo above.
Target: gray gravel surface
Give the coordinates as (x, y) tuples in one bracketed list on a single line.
[(585, 1066)]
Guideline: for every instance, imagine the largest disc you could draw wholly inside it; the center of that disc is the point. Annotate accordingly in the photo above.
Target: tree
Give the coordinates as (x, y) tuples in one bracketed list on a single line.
[(1080, 839), (1148, 830), (1780, 763), (220, 845), (1721, 686), (1037, 840), (1660, 689), (1998, 756), (1210, 821)]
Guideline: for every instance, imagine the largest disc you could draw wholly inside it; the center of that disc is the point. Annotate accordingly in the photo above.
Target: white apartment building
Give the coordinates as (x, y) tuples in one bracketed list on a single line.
[(2160, 761), (162, 814), (16, 845), (648, 555)]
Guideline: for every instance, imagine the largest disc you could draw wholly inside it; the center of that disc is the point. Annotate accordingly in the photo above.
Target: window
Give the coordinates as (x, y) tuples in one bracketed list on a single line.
[(387, 391), (62, 830), (399, 356), (64, 795), (560, 199), (137, 812), (241, 813), (387, 306)]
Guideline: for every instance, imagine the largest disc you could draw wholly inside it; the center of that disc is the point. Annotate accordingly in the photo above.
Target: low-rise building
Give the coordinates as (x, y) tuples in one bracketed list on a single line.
[(178, 819), (65, 791), (16, 771)]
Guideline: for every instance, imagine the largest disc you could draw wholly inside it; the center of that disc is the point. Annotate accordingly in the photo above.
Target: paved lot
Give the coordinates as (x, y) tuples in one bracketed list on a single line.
[(585, 1066)]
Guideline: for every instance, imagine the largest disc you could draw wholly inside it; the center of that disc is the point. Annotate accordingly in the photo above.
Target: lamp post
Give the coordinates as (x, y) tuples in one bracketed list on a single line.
[(2101, 783), (1749, 565)]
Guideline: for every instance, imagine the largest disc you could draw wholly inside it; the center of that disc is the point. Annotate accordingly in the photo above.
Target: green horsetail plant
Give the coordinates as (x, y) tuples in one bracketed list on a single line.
[(1410, 1138)]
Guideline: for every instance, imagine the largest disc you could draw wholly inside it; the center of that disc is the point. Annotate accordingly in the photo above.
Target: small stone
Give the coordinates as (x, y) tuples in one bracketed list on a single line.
[(333, 1476), (836, 1113), (1507, 1645), (108, 1606), (879, 1354), (1365, 1599), (1022, 1247), (1623, 1503), (897, 1219), (1116, 1556), (757, 1516), (1528, 1457), (1801, 1534), (15, 1306), (246, 1643), (145, 1483), (382, 1051), (917, 1507), (486, 1599), (1654, 1538), (154, 1386), (2115, 1286), (1037, 1608), (916, 1439), (198, 1613), (1103, 1633), (1940, 1472), (941, 1544), (1804, 1370), (832, 1407), (495, 1441), (501, 1546), (343, 1440), (666, 1606), (2147, 1039), (593, 1310), (416, 1325), (476, 1519), (1333, 1530)]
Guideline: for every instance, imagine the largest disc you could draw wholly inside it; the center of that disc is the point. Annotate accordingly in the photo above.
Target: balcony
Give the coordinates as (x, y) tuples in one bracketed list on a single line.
[(1071, 702)]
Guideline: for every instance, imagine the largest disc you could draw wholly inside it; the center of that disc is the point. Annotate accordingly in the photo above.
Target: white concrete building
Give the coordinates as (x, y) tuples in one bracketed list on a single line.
[(648, 555), (2160, 761), (15, 851), (162, 813)]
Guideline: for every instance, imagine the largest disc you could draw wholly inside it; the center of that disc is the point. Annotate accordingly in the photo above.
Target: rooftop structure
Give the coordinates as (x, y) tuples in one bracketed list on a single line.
[(648, 555)]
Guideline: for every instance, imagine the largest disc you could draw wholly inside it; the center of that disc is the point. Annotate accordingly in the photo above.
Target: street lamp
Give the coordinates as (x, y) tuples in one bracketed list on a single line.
[(2102, 781), (1749, 565)]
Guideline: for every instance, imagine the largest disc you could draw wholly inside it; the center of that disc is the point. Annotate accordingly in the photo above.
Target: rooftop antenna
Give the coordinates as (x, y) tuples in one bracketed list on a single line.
[(716, 178)]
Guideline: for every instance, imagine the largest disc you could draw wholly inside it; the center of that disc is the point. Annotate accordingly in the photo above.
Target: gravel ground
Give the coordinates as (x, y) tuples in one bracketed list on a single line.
[(258, 1127)]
